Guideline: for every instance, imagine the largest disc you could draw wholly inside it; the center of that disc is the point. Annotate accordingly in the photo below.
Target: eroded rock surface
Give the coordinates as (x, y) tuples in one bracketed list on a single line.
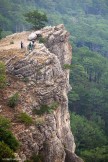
[(47, 83)]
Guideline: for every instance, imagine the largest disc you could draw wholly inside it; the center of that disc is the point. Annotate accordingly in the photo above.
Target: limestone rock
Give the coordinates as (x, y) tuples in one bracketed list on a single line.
[(48, 82), (32, 36), (38, 33)]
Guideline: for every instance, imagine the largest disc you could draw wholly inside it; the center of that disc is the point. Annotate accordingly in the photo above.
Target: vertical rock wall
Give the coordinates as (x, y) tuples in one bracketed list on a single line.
[(48, 83)]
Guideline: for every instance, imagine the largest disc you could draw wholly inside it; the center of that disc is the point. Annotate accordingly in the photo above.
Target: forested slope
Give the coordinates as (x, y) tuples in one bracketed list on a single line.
[(89, 99), (86, 20)]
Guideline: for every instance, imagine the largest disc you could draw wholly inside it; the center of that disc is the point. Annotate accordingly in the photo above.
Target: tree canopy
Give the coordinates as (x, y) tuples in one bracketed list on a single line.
[(37, 19), (91, 141), (89, 100)]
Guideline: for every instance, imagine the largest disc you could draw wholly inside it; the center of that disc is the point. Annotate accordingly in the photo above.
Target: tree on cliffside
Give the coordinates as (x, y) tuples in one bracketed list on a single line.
[(36, 18)]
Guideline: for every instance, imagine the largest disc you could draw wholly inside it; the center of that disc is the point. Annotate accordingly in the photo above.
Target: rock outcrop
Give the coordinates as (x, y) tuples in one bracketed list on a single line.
[(47, 84)]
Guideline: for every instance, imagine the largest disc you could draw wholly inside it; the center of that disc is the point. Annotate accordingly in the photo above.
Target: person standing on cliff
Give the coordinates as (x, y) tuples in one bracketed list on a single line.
[(30, 46), (22, 46)]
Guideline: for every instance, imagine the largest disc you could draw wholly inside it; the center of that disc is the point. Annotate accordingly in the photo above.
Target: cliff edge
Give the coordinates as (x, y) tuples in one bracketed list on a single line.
[(40, 78)]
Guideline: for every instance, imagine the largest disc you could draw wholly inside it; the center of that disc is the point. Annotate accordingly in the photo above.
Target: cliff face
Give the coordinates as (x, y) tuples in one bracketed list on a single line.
[(47, 84)]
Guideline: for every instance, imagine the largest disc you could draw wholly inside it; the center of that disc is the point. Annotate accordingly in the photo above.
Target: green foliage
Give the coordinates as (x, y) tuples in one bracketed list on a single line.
[(43, 109), (6, 152), (89, 98), (78, 74), (4, 122), (8, 138), (8, 142), (5, 33), (13, 100), (37, 158), (2, 68), (87, 71), (36, 18), (54, 105), (2, 75), (99, 154), (88, 135), (86, 20), (25, 118), (46, 109), (88, 79), (41, 40)]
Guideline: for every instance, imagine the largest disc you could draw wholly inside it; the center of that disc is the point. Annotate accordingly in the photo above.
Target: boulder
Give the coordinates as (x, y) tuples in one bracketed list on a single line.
[(32, 36), (38, 32)]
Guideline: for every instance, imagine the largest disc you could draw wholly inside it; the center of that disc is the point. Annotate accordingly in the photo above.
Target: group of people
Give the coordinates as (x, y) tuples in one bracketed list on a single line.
[(30, 45)]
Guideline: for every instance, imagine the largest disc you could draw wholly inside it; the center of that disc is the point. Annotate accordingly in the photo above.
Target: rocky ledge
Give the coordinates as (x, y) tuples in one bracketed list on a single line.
[(47, 84)]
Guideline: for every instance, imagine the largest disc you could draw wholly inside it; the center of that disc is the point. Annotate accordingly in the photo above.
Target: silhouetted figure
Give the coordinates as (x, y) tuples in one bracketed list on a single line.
[(30, 46), (22, 45)]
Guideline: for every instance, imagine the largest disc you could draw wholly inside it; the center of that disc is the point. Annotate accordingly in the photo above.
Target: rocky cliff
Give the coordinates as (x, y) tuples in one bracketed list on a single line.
[(42, 81)]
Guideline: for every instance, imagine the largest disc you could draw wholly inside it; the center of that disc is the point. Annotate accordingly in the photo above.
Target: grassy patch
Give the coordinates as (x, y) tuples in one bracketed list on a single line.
[(4, 122), (9, 138), (41, 40), (45, 109), (2, 75), (6, 152), (13, 100), (25, 118)]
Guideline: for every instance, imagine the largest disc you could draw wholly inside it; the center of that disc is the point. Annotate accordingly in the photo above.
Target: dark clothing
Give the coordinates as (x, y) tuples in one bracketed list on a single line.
[(22, 45), (30, 46)]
